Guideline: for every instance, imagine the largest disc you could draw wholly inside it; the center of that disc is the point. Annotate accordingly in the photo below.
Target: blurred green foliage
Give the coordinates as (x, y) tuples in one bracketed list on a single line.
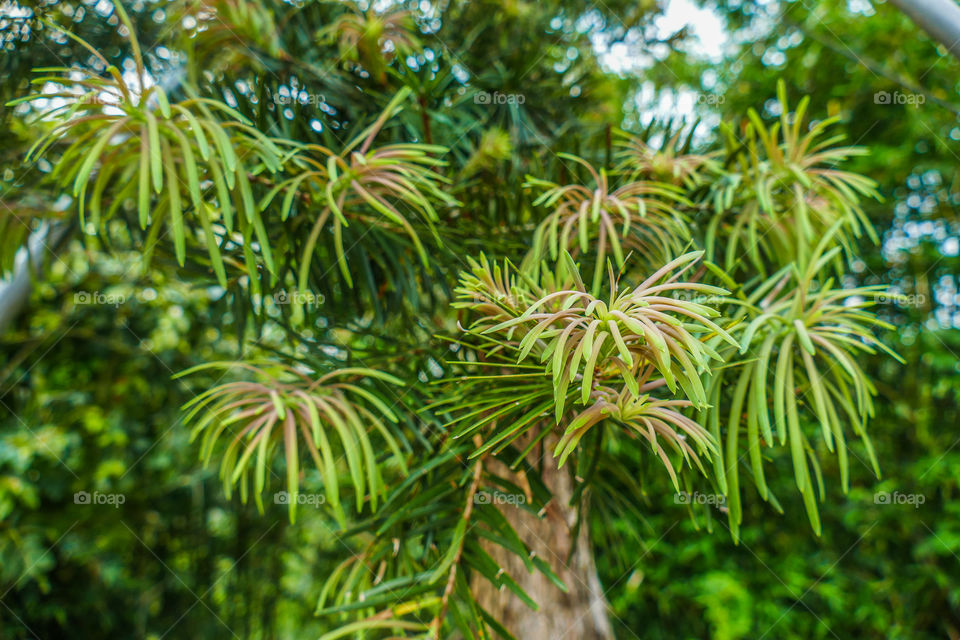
[(89, 406), (87, 402), (879, 570)]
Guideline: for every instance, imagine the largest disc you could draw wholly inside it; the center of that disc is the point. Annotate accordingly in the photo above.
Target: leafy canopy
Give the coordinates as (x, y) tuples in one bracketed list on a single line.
[(710, 325)]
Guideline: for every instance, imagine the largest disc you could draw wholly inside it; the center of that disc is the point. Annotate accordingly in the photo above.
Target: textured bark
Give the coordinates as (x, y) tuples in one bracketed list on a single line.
[(580, 614)]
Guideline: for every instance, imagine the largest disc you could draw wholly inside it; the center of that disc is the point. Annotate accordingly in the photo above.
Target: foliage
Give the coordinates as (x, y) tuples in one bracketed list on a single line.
[(314, 180), (583, 220), (266, 412)]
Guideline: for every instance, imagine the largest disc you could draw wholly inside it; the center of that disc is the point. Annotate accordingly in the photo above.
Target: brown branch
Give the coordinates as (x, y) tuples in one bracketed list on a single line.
[(467, 512), (425, 117)]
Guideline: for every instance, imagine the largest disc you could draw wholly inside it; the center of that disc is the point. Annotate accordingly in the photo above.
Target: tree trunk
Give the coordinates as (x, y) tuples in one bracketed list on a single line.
[(580, 614)]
